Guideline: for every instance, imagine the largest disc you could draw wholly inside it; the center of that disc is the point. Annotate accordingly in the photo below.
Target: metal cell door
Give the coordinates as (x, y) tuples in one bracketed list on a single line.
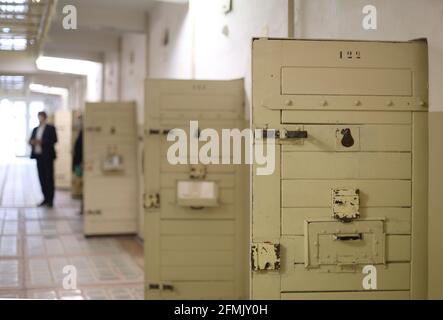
[(343, 216), (110, 169), (195, 244)]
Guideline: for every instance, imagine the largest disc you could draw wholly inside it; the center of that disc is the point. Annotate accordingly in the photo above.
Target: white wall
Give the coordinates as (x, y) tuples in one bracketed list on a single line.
[(223, 57), (77, 94), (171, 60), (133, 56), (197, 46), (397, 20), (133, 70), (111, 77), (111, 83)]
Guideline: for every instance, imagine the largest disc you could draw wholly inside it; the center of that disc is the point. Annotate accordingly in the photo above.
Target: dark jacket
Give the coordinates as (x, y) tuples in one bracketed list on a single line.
[(77, 159), (49, 139)]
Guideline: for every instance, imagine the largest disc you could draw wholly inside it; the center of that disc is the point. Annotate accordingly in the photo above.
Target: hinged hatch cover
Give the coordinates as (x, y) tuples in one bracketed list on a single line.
[(335, 243)]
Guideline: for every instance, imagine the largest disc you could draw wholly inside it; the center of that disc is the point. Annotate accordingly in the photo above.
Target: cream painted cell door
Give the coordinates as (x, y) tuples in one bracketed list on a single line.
[(196, 244), (110, 173), (63, 163), (343, 216)]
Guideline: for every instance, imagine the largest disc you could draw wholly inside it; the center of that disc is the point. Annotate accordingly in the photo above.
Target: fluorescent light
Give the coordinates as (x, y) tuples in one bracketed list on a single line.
[(6, 30), (92, 70), (73, 66), (57, 91), (40, 88)]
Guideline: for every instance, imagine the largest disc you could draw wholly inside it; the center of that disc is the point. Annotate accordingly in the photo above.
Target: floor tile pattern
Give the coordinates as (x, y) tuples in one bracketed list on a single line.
[(38, 247)]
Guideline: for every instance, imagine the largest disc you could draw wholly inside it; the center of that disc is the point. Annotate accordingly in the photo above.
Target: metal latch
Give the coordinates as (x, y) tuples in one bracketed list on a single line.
[(94, 212), (93, 129), (345, 204), (348, 237), (158, 131), (164, 287), (285, 134), (152, 201), (293, 134), (265, 256), (153, 286), (153, 131), (168, 287), (197, 171)]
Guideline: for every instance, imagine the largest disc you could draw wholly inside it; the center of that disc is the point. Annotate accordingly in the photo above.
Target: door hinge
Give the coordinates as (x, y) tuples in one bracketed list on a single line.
[(265, 256), (151, 201), (153, 286), (163, 287)]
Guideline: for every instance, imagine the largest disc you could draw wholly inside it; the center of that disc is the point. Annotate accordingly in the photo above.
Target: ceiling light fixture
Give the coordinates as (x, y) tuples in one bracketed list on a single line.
[(40, 88)]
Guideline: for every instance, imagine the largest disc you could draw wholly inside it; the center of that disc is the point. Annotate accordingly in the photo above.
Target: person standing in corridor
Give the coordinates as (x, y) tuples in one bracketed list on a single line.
[(43, 139)]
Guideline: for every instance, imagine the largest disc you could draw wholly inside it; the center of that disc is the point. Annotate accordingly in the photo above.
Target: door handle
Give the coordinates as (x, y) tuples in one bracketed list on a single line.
[(168, 287), (348, 237), (285, 134), (297, 134), (154, 286)]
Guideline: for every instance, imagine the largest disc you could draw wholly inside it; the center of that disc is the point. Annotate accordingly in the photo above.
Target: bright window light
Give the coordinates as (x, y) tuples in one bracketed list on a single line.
[(5, 78), (13, 133), (34, 108), (39, 88), (93, 71), (16, 44), (62, 92), (73, 66), (12, 82), (14, 6)]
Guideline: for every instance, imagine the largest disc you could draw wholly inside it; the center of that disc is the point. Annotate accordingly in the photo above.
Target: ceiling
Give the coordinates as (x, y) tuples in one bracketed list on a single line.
[(100, 25), (129, 4), (24, 23)]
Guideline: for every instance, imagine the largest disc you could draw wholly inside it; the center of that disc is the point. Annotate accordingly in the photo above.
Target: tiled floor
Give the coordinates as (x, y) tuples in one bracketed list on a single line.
[(37, 245)]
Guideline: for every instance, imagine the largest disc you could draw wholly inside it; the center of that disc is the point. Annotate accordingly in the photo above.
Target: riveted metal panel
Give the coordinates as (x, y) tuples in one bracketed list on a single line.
[(346, 81)]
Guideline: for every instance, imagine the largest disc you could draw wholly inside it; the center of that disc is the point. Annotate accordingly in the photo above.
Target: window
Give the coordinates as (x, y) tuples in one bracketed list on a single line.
[(19, 128), (34, 108), (13, 43)]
